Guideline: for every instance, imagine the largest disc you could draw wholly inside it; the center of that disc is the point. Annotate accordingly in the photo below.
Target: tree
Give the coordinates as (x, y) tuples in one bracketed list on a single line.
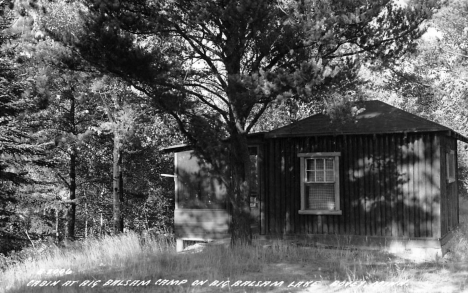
[(116, 100), (22, 152), (68, 118), (61, 80), (216, 66), (431, 82)]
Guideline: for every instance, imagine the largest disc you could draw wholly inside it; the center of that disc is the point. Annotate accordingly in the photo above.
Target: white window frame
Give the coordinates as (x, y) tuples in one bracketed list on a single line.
[(450, 162), (303, 157)]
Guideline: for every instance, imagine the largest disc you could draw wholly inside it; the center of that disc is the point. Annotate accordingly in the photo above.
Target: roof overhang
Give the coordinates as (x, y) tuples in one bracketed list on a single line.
[(175, 148), (253, 138), (458, 136)]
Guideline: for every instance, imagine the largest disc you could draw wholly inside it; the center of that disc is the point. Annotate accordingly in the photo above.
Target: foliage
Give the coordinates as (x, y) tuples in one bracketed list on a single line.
[(52, 120), (22, 150), (432, 81)]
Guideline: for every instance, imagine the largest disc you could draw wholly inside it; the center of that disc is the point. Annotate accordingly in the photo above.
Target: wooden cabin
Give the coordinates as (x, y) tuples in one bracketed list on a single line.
[(386, 180)]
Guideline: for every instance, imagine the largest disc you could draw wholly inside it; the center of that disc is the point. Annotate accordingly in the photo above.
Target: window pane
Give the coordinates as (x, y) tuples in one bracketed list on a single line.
[(319, 164), (310, 176), (310, 164), (329, 164), (320, 176), (330, 176), (320, 196)]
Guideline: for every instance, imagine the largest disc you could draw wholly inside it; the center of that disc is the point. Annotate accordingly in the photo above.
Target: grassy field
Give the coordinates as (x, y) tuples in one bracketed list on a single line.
[(128, 264)]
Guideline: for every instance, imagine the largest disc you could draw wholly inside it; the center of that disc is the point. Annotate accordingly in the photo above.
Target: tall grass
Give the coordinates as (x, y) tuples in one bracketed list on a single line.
[(459, 245), (91, 256), (129, 257)]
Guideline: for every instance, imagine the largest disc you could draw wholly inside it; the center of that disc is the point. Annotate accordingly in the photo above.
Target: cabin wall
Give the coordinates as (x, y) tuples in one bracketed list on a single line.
[(449, 192), (389, 186)]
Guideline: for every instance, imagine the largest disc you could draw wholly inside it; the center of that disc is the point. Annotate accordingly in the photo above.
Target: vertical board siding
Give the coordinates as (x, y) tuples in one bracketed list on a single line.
[(417, 188), (393, 198), (429, 188), (411, 197), (367, 190), (400, 176), (436, 187), (277, 195), (287, 188), (354, 187), (269, 196), (443, 188), (263, 197), (346, 186), (454, 190), (405, 184), (455, 209), (450, 195), (380, 189), (389, 186)]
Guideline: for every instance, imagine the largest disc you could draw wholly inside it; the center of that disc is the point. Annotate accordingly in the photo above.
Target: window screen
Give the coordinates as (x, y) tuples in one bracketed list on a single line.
[(321, 196)]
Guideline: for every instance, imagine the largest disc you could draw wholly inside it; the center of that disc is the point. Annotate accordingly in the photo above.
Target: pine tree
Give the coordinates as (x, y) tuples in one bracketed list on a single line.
[(216, 66), (21, 150)]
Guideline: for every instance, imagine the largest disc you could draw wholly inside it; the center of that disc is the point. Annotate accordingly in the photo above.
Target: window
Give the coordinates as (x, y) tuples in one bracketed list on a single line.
[(450, 157), (320, 185)]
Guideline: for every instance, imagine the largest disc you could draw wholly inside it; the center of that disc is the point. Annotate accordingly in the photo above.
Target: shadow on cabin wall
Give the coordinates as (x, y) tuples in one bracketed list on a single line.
[(391, 185), (201, 200), (203, 208)]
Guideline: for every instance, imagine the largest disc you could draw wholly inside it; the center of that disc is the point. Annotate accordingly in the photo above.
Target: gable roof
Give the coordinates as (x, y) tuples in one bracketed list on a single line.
[(378, 117)]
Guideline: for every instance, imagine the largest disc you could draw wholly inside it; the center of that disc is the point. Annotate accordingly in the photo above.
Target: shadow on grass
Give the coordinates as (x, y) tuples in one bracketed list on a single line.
[(250, 269)]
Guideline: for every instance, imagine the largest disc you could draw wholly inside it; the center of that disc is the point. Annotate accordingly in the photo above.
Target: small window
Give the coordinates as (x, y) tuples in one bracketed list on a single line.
[(320, 183), (451, 166)]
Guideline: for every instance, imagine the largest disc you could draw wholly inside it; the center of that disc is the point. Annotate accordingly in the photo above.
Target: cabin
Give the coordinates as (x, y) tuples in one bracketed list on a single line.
[(387, 180)]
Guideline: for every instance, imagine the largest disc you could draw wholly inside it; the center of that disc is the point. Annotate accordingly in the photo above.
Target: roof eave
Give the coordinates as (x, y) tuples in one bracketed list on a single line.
[(451, 133), (458, 136), (185, 146), (175, 148)]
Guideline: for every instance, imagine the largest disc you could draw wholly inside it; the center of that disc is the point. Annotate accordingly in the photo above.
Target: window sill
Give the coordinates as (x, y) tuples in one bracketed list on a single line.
[(320, 212)]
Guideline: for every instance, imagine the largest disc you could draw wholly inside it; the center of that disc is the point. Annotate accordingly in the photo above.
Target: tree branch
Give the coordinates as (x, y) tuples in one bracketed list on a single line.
[(257, 116), (63, 179), (202, 55)]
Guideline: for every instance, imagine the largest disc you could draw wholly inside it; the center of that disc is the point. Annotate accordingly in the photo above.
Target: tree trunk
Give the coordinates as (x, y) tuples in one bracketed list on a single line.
[(57, 225), (71, 207), (86, 221), (71, 211), (241, 233), (101, 225), (117, 186), (121, 191)]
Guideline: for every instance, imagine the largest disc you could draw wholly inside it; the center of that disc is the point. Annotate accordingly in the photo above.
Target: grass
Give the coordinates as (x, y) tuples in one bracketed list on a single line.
[(127, 257)]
